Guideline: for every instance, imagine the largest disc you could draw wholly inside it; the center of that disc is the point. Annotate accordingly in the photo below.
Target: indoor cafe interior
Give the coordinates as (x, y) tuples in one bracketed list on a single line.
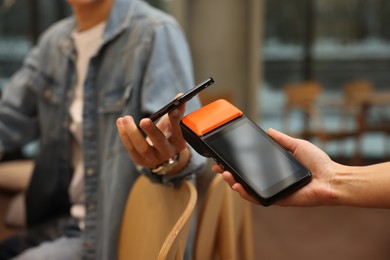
[(313, 69)]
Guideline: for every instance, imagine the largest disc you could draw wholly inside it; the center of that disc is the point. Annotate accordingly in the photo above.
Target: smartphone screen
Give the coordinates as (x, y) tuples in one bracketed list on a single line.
[(266, 170), (182, 99)]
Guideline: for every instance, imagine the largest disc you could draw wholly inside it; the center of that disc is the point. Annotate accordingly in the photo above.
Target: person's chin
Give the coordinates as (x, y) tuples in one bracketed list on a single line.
[(80, 2)]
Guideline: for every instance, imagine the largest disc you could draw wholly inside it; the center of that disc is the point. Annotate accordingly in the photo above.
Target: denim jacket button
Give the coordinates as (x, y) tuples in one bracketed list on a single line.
[(91, 206), (88, 134), (88, 244), (48, 93), (90, 172)]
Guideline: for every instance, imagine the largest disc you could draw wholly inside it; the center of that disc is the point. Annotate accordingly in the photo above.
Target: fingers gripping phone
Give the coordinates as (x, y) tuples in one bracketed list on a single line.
[(182, 99), (265, 169)]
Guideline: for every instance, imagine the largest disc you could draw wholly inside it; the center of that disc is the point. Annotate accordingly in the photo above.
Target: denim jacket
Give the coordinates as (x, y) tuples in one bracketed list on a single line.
[(143, 62)]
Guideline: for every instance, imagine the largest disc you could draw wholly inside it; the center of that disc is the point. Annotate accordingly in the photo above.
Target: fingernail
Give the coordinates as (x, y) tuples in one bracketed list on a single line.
[(175, 113), (127, 120)]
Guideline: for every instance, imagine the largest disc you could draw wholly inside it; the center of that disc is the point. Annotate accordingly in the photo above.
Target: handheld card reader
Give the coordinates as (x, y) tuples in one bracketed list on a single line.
[(266, 170)]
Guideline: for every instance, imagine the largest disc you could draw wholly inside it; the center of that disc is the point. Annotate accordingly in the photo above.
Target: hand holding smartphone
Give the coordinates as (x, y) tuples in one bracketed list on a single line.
[(182, 99)]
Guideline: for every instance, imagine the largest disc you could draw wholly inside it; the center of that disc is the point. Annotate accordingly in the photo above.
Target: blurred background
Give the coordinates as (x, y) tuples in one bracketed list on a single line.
[(316, 69)]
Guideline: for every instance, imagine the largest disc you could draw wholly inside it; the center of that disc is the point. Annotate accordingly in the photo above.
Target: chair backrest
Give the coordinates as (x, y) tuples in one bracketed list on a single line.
[(235, 231), (208, 218), (15, 175), (156, 221), (356, 90), (301, 97), (302, 94), (224, 229)]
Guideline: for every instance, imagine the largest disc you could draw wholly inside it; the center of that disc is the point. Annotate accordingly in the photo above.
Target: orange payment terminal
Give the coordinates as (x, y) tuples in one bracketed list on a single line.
[(266, 170)]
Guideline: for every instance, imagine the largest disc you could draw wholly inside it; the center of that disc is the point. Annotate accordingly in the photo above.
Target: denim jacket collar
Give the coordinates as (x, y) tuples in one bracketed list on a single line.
[(118, 20)]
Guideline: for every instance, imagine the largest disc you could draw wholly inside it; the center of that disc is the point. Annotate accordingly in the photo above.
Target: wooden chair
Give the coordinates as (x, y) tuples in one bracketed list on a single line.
[(355, 90), (305, 97), (224, 228), (208, 218), (14, 179), (235, 237), (156, 221), (302, 97), (368, 117), (15, 176)]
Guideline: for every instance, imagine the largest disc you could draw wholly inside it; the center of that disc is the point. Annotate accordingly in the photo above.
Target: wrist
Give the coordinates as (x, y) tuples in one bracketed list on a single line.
[(166, 166), (347, 185), (173, 164), (184, 158), (364, 186)]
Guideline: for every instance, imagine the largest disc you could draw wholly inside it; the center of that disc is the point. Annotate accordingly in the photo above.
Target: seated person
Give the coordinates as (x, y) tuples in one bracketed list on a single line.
[(111, 58)]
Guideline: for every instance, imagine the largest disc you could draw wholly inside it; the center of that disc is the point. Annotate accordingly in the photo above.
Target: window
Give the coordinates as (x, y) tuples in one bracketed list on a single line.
[(21, 22), (349, 39)]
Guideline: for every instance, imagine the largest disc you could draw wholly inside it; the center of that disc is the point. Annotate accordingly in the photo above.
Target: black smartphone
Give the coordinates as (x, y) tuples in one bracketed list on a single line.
[(266, 170), (182, 99)]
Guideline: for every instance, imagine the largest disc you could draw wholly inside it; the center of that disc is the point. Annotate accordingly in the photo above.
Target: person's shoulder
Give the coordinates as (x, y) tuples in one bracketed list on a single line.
[(58, 31), (148, 15)]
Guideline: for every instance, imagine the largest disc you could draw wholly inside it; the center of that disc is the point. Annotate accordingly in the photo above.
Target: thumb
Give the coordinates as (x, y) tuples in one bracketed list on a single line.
[(284, 140)]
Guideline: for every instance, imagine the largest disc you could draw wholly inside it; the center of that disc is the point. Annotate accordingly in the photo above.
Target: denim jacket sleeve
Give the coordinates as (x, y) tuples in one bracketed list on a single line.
[(18, 107), (32, 99)]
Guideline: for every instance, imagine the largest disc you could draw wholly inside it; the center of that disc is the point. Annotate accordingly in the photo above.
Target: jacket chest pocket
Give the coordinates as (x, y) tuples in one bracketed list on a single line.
[(115, 101), (112, 105), (50, 101)]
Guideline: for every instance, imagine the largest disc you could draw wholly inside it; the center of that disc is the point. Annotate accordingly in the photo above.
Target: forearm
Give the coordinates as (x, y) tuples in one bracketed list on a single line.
[(367, 186)]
